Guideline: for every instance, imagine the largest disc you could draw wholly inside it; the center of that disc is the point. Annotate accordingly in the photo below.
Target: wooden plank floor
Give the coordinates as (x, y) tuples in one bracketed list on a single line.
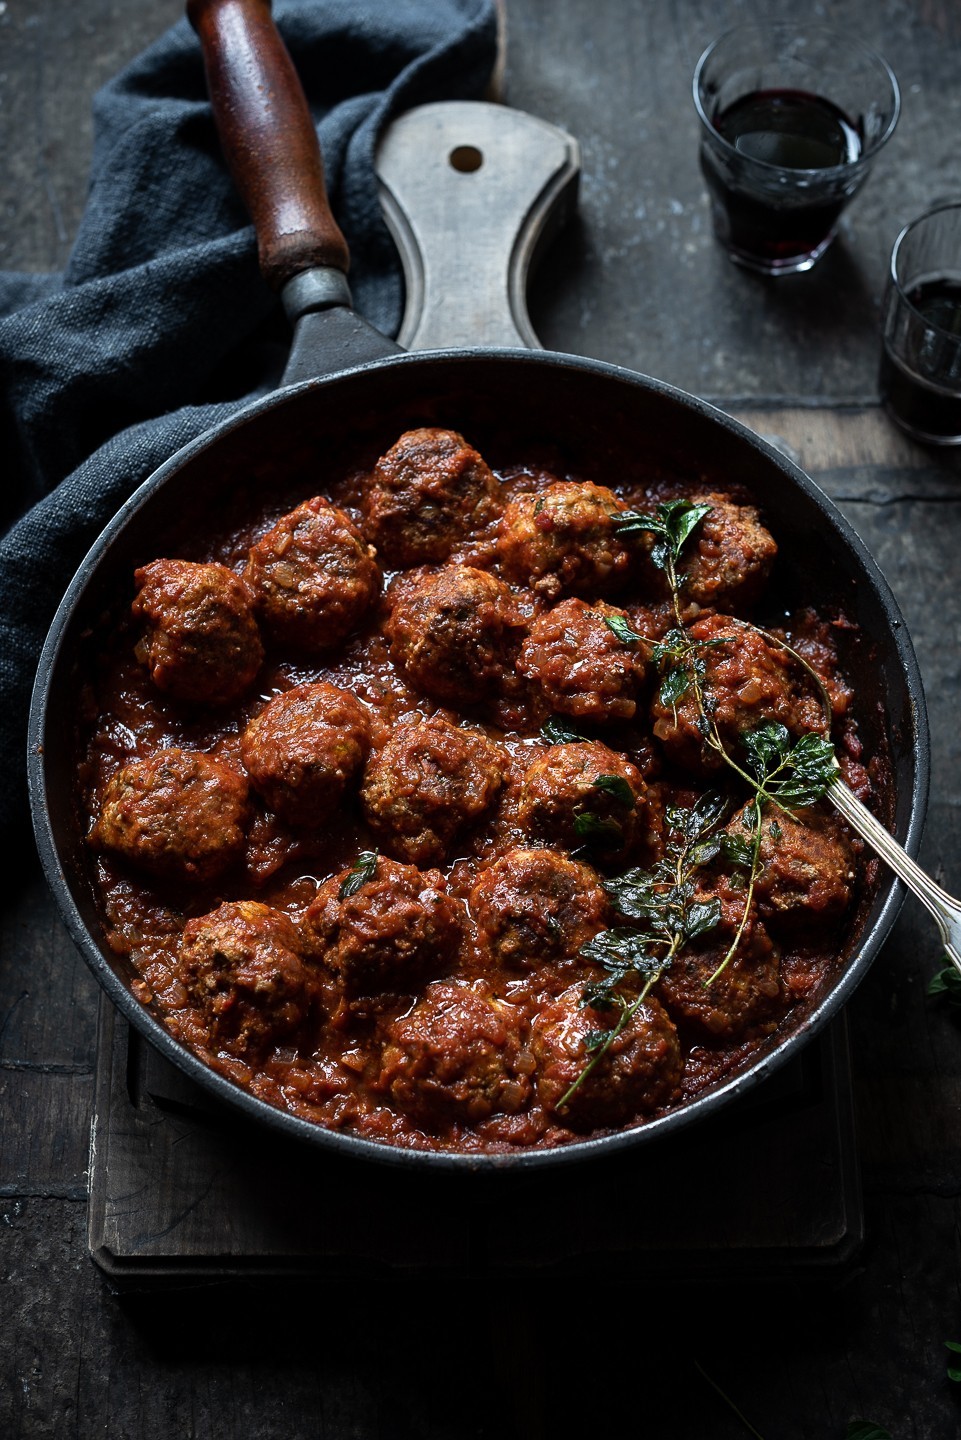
[(637, 280)]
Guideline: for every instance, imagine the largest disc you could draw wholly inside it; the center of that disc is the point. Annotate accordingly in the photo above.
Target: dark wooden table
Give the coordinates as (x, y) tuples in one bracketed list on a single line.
[(635, 279)]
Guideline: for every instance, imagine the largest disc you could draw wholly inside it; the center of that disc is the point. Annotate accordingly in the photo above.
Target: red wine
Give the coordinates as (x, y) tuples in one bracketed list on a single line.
[(759, 216), (790, 128), (921, 383)]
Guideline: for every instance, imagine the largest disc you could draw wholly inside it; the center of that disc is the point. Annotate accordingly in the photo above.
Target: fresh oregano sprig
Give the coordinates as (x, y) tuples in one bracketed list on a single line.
[(663, 912), (788, 774)]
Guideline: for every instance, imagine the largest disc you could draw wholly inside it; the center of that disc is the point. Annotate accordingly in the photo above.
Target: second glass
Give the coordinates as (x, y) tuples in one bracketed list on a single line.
[(791, 122)]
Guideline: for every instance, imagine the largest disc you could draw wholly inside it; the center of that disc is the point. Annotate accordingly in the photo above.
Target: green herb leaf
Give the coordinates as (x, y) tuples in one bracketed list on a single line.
[(766, 747), (617, 787), (700, 918), (737, 851), (560, 731), (866, 1430), (674, 686), (954, 1345), (947, 982), (621, 627), (672, 524), (363, 869), (593, 828), (622, 950), (594, 1039)]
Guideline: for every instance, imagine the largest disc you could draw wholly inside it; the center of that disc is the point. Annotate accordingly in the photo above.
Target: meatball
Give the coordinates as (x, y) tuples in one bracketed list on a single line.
[(179, 814), (563, 540), (747, 682), (399, 928), (582, 665), (746, 1000), (314, 577), (584, 793), (427, 786), (639, 1073), (458, 1055), (241, 968), (199, 638), (728, 560), (304, 748), (454, 632), (429, 492), (807, 876), (535, 907)]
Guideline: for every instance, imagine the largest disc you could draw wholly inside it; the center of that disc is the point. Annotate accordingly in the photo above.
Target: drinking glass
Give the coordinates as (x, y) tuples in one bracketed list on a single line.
[(920, 378), (792, 121)]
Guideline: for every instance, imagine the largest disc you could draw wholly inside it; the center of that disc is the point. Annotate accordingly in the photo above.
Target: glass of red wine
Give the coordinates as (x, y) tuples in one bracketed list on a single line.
[(920, 378), (791, 123)]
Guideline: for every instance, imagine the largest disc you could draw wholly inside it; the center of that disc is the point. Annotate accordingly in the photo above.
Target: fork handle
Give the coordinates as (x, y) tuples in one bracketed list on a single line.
[(942, 906)]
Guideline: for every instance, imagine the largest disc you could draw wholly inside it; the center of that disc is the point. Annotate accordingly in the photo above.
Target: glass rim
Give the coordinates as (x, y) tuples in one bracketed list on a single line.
[(893, 280), (784, 27)]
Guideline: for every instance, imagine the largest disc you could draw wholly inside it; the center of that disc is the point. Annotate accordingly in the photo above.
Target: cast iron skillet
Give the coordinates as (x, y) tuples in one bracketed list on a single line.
[(364, 394)]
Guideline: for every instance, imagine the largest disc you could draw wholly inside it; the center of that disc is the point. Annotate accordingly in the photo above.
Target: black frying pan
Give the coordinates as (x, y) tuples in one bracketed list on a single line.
[(362, 394)]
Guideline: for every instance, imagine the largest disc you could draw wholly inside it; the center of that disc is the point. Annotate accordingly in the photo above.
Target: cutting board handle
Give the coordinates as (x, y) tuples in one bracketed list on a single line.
[(268, 138), (472, 192)]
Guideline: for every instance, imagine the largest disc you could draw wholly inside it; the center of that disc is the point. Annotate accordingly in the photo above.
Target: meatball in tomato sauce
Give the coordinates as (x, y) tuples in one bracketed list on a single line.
[(563, 540), (724, 997), (178, 814), (534, 908), (430, 491), (459, 1055), (303, 750), (637, 1073), (583, 661), (454, 632), (199, 638), (395, 931), (747, 681), (428, 785), (729, 558), (585, 794), (241, 969), (314, 577), (807, 869)]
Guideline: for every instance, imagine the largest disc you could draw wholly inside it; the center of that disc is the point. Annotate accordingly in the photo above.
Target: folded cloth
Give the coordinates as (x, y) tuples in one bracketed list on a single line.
[(161, 325)]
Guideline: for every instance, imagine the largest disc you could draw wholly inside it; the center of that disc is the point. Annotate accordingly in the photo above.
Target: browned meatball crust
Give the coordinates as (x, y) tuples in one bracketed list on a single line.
[(639, 1073), (535, 907), (397, 930), (454, 632), (747, 682), (179, 814), (430, 491), (304, 748), (728, 561), (747, 999), (562, 540), (199, 637), (314, 577), (241, 968), (584, 793), (428, 785), (580, 664), (458, 1055), (807, 875)]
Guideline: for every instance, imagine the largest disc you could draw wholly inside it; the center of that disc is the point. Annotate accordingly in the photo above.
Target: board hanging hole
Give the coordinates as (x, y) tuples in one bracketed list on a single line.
[(466, 158)]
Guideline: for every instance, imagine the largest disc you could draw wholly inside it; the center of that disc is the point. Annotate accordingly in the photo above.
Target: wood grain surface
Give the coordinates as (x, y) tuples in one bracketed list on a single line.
[(636, 278)]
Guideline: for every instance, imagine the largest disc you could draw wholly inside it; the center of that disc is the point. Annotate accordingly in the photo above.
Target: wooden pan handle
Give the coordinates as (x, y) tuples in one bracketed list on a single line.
[(268, 138)]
